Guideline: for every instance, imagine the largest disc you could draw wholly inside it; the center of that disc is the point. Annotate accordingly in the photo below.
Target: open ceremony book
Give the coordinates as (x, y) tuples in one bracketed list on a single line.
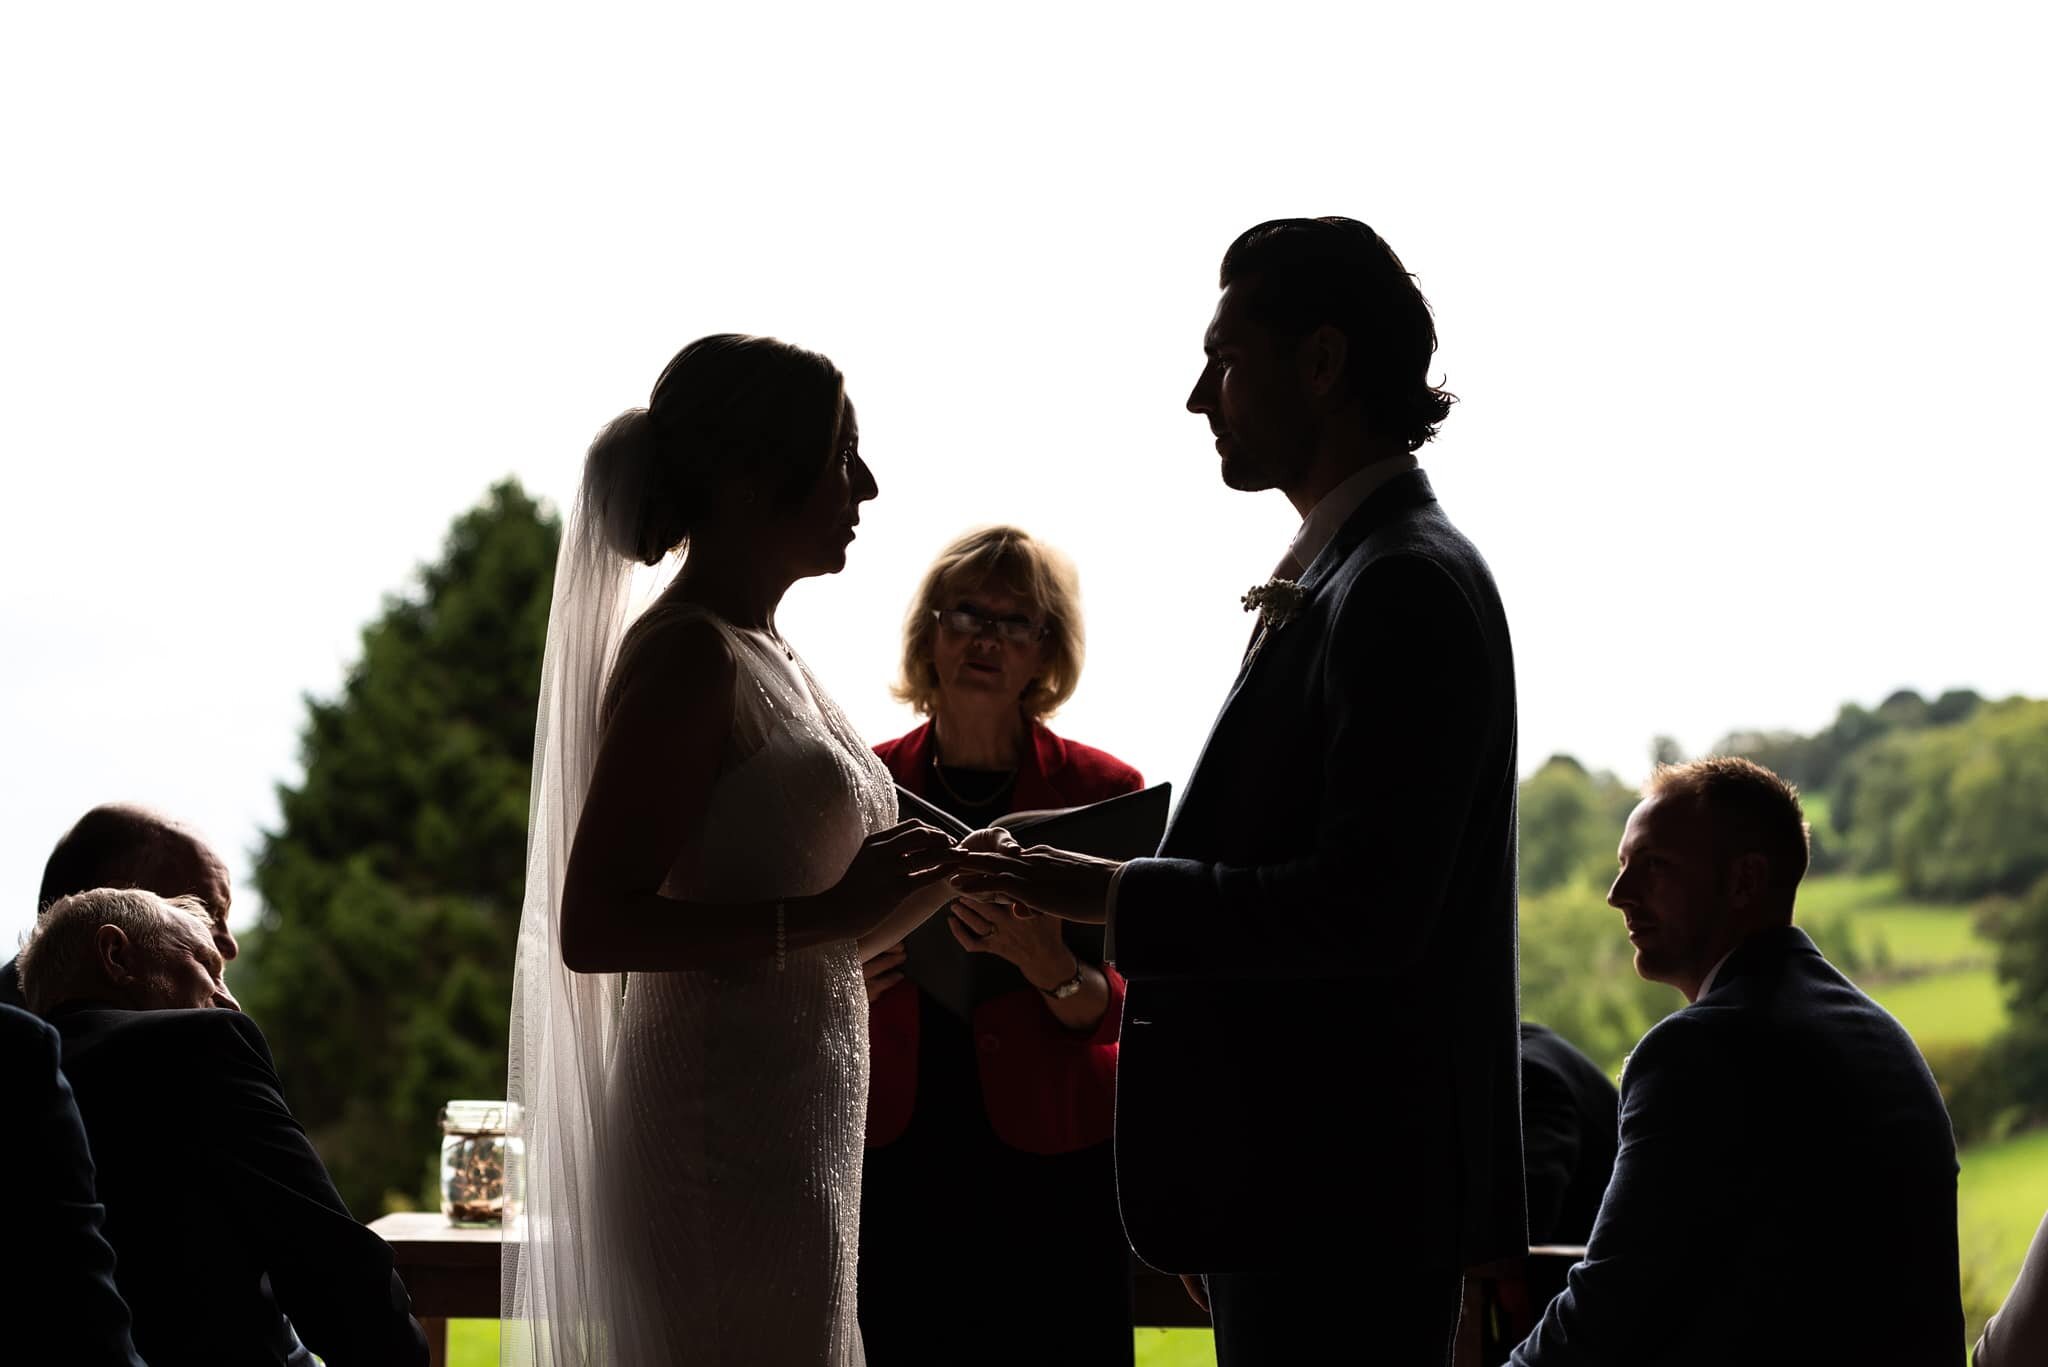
[(1128, 826)]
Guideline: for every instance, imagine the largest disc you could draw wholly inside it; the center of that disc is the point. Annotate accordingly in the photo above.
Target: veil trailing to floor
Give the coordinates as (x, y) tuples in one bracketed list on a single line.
[(564, 1024)]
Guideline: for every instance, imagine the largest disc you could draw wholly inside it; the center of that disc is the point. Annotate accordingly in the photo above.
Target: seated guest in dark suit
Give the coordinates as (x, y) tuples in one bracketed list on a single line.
[(988, 1200), (1568, 1142), (1568, 1136), (121, 846), (2017, 1336), (59, 1304), (209, 1184), (1785, 1190)]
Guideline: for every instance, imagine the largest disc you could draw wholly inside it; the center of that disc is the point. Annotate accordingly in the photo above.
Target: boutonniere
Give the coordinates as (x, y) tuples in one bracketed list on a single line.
[(1277, 601)]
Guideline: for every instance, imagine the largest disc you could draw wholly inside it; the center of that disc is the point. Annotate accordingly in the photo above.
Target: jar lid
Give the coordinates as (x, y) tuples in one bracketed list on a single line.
[(473, 1117)]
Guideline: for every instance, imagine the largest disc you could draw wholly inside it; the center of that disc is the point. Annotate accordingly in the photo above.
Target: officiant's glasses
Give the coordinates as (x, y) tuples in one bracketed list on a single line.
[(1022, 630)]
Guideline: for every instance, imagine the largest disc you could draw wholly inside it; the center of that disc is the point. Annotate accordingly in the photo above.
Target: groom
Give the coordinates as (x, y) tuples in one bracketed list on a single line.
[(1317, 1097)]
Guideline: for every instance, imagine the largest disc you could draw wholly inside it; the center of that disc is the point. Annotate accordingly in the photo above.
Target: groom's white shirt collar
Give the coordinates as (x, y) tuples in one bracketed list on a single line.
[(1335, 508)]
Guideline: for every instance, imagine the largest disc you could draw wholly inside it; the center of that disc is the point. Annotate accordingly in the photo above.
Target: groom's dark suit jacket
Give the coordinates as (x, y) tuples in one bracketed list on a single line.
[(1319, 1054), (1785, 1190), (211, 1187)]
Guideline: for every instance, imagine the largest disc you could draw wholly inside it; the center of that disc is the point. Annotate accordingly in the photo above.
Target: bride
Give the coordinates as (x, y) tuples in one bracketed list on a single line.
[(712, 850)]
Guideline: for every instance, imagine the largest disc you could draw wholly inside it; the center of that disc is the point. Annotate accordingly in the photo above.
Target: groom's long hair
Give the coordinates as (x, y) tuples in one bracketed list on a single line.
[(1337, 271)]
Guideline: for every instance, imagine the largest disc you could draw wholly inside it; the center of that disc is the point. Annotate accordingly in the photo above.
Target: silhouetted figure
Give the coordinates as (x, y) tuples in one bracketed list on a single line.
[(1340, 871), (1785, 1191), (118, 845), (221, 1214), (708, 824), (59, 1302), (1568, 1136), (2017, 1336), (988, 1194)]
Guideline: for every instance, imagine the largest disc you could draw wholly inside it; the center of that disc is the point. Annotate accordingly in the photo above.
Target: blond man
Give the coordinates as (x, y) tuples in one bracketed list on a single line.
[(1785, 1189)]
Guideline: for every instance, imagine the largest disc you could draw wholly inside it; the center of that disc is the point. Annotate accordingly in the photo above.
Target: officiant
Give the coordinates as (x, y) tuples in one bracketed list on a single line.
[(989, 1225)]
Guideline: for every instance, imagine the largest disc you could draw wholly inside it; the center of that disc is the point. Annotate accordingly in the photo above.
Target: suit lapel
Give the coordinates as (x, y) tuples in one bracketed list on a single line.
[(1397, 496)]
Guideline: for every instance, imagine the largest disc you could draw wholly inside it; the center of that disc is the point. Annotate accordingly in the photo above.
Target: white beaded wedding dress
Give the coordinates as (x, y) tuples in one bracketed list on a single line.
[(690, 1189)]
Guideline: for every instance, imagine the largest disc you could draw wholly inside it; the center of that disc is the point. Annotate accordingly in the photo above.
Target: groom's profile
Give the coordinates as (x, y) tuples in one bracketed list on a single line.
[(1317, 1098)]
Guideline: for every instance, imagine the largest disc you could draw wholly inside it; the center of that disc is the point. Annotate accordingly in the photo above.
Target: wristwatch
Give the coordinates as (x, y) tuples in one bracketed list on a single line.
[(1061, 991)]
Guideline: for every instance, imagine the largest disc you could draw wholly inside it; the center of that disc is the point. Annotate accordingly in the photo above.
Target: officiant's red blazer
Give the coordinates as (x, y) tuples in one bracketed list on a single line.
[(1046, 1089)]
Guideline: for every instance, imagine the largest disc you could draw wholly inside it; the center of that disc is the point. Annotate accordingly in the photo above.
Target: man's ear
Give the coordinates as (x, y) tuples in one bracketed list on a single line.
[(114, 955), (1322, 356), (1747, 880)]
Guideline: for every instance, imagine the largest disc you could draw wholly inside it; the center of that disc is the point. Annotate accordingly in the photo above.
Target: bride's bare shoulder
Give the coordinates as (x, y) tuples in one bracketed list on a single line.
[(672, 658)]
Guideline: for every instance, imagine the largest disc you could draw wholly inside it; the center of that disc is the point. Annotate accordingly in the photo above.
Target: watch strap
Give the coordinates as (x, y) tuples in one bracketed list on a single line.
[(1061, 991)]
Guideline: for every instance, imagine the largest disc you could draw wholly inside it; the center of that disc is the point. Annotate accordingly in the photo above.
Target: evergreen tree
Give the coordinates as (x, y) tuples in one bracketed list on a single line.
[(382, 967)]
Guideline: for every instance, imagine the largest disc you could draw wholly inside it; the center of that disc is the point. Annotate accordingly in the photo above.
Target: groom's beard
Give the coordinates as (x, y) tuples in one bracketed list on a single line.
[(1279, 462)]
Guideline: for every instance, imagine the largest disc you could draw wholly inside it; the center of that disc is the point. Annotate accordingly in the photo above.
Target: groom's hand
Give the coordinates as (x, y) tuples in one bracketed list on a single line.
[(1073, 887)]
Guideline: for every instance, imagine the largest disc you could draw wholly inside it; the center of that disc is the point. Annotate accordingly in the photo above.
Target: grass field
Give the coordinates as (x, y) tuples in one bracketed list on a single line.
[(1926, 937), (1928, 965), (1934, 973), (1963, 1007), (472, 1343), (2003, 1193), (1914, 935), (1176, 1348)]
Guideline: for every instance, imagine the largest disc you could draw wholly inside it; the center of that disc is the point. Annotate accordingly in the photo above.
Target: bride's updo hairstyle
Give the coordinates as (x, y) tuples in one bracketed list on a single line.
[(727, 407)]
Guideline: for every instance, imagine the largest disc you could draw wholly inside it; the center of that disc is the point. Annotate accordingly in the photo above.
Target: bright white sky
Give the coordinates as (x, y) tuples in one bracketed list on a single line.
[(1744, 302)]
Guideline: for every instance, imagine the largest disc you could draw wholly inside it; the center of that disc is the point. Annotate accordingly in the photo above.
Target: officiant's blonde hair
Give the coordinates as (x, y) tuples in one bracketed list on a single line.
[(1006, 558)]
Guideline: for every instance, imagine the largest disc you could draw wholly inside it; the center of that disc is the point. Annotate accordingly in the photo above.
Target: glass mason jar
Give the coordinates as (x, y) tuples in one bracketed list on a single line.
[(474, 1153)]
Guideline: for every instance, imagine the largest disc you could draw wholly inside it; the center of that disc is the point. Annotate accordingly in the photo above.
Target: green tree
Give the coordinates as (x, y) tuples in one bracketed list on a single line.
[(2019, 927), (381, 968), (1577, 967), (1579, 977), (1953, 706), (1571, 822), (2005, 1087), (1816, 762), (1959, 811)]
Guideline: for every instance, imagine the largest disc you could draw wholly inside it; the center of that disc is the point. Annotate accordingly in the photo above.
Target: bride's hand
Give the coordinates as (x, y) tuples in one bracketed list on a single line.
[(1042, 879), (992, 840), (892, 866)]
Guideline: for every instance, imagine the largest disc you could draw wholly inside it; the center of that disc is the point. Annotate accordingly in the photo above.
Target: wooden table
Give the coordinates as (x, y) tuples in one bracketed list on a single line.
[(453, 1275)]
